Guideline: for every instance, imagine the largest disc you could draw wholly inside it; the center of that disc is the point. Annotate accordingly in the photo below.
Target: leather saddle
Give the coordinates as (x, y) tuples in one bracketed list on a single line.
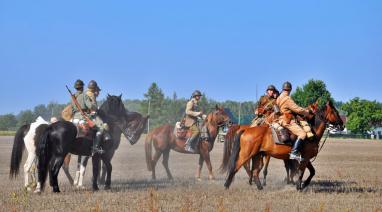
[(282, 136), (84, 131), (183, 133)]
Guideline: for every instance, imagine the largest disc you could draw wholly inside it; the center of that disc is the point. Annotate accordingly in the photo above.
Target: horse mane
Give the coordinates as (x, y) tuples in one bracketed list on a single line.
[(112, 109)]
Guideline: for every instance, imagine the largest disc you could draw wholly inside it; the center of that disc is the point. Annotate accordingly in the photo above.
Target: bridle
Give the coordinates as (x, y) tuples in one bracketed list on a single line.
[(328, 126)]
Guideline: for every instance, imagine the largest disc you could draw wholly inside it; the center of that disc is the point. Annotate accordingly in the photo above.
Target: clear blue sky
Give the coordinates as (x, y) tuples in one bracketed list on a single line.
[(224, 48)]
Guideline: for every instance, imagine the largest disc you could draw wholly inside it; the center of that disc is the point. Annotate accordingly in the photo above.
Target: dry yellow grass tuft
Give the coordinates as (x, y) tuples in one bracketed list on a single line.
[(348, 178)]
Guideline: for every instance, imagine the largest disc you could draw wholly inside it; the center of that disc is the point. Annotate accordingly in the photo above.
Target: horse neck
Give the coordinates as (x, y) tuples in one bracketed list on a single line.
[(212, 127), (319, 127)]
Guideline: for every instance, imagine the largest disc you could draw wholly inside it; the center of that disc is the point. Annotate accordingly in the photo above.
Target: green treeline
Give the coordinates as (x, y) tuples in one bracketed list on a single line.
[(362, 115)]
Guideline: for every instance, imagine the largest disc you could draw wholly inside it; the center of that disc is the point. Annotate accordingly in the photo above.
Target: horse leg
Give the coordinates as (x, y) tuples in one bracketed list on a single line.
[(247, 167), (207, 160), (257, 166), (95, 161), (287, 169), (109, 168), (200, 166), (54, 170), (293, 170), (27, 169), (83, 163), (166, 156), (301, 170), (265, 172), (156, 157), (102, 178), (250, 171), (65, 167), (77, 177), (312, 172)]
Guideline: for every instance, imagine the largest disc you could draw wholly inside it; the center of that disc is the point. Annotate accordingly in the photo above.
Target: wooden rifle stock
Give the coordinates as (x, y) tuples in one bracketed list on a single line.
[(74, 100)]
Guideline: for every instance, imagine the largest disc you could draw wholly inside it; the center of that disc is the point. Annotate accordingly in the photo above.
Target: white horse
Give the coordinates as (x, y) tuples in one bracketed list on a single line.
[(25, 137)]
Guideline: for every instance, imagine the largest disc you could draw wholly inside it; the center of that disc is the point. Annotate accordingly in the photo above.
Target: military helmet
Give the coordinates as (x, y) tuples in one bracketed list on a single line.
[(196, 93), (79, 84), (93, 85), (271, 87), (287, 86)]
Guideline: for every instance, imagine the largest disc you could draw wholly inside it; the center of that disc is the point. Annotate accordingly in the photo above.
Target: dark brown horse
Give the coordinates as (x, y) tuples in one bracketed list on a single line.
[(164, 139), (290, 165), (255, 141)]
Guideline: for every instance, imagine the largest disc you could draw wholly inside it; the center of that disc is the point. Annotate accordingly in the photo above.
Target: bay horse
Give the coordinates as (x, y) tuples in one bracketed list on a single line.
[(60, 138), (252, 142), (164, 139), (25, 138), (290, 165)]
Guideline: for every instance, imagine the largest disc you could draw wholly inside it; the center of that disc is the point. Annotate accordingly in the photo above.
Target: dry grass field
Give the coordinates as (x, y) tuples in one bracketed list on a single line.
[(348, 178)]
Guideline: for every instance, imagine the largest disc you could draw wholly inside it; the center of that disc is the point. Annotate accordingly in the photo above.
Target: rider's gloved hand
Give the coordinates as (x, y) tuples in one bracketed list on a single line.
[(204, 116)]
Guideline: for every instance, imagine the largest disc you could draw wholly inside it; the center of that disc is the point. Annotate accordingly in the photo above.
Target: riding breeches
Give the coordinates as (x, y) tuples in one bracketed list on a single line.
[(295, 129)]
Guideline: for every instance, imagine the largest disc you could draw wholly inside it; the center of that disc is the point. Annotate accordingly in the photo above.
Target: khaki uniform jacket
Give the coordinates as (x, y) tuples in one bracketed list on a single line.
[(87, 103), (288, 107), (191, 113)]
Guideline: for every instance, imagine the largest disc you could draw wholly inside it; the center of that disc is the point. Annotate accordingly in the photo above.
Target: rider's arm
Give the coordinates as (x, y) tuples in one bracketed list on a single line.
[(297, 109), (90, 103), (189, 110)]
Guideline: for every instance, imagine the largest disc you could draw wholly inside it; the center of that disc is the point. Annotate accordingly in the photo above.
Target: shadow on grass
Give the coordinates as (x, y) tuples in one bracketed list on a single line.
[(122, 185), (337, 186)]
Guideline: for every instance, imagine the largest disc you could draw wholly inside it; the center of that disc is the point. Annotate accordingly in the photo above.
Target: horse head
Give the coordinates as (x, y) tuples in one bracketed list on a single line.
[(219, 116), (135, 125), (330, 115), (131, 124)]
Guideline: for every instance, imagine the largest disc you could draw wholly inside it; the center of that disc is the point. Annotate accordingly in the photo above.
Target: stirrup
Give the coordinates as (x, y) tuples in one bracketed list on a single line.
[(297, 157), (189, 149), (97, 150)]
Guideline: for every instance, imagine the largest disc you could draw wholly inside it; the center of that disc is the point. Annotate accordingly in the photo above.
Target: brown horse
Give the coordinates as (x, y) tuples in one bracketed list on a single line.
[(254, 141), (164, 139), (290, 165)]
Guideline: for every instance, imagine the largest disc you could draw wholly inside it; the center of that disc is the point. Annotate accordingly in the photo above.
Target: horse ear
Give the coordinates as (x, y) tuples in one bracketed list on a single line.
[(120, 96), (108, 95), (216, 107)]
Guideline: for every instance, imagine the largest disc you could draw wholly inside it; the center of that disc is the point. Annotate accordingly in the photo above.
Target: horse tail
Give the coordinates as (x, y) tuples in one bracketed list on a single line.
[(148, 150), (17, 151), (44, 155), (232, 159), (235, 152), (228, 142)]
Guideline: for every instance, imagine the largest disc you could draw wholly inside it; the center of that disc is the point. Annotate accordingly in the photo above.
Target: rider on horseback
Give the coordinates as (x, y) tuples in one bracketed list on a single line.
[(264, 106), (288, 108), (88, 104), (193, 115)]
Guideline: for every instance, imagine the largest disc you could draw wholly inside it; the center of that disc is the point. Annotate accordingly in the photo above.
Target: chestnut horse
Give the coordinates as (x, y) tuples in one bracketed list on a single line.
[(164, 139), (252, 142), (290, 165)]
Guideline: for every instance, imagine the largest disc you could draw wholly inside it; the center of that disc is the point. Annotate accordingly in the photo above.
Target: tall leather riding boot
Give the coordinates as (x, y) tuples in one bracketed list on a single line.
[(294, 154), (96, 149), (191, 143)]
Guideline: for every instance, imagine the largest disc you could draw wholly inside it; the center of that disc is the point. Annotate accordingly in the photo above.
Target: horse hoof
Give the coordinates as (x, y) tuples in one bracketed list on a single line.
[(107, 187), (95, 188), (199, 179), (37, 191), (211, 178)]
